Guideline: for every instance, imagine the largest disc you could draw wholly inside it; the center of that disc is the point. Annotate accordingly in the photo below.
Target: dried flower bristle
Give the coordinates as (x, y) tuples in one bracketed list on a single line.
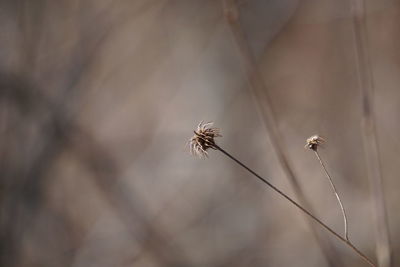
[(314, 142), (203, 139)]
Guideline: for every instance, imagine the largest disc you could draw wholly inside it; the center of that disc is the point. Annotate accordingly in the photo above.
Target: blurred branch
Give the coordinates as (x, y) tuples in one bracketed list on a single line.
[(258, 91), (31, 18), (25, 192), (369, 131)]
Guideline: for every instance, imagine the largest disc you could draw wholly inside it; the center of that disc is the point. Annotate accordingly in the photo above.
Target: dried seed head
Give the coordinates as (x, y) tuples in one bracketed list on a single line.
[(314, 142), (203, 139)]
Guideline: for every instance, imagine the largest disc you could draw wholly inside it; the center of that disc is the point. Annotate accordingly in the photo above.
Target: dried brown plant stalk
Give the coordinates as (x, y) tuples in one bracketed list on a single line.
[(313, 143), (260, 97), (204, 140), (370, 140)]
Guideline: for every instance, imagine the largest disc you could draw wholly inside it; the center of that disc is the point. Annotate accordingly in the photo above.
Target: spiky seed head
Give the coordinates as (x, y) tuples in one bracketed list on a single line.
[(314, 142), (203, 139)]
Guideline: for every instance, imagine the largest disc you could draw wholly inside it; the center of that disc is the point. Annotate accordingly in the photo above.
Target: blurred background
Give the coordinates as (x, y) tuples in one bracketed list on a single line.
[(98, 99)]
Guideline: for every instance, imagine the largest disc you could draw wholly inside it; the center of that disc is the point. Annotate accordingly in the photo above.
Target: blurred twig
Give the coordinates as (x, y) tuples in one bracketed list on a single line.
[(25, 186), (259, 93), (62, 132), (370, 140)]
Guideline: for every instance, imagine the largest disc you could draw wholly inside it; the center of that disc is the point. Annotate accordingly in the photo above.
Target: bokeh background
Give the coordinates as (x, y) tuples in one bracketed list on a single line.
[(99, 97)]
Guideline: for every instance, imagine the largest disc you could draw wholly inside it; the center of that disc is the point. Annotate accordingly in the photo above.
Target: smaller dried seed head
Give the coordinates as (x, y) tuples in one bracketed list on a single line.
[(203, 139), (314, 142)]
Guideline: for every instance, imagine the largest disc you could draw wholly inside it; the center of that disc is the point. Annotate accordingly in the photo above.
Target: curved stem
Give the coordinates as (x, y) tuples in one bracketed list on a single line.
[(345, 241), (346, 231)]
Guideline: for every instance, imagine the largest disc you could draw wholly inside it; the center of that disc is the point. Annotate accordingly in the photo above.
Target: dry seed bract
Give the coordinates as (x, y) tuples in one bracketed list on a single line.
[(203, 139)]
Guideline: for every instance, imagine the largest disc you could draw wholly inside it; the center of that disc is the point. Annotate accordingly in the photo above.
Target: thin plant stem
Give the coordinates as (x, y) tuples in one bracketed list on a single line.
[(305, 211), (346, 229)]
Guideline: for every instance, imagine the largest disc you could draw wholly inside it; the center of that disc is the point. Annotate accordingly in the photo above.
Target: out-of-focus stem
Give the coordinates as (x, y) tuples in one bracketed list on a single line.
[(259, 94), (370, 139)]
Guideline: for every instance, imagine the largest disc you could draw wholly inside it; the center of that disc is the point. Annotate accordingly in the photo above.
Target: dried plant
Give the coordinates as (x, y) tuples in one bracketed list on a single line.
[(204, 140), (313, 143)]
